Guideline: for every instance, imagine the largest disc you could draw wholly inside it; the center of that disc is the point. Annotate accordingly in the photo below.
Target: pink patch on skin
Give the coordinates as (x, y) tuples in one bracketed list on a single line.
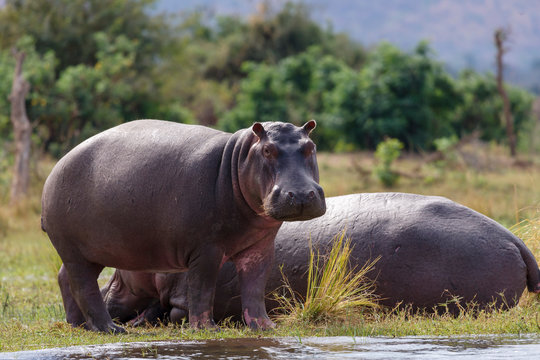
[(223, 261), (246, 262), (247, 318), (261, 324), (202, 321)]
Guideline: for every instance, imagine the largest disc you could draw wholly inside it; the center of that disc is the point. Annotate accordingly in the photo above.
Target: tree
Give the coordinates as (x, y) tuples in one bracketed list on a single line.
[(501, 36), (68, 27), (261, 98), (407, 96), (21, 129), (71, 35), (83, 100), (206, 67)]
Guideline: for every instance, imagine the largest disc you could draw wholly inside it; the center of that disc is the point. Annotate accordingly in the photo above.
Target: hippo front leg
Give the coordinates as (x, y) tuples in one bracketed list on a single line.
[(202, 278), (253, 266)]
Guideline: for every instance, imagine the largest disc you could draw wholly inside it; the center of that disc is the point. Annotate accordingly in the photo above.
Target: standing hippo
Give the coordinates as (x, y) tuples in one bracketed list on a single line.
[(431, 249), (158, 196)]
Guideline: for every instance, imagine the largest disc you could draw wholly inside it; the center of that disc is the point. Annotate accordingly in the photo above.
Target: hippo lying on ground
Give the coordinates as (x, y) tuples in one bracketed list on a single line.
[(432, 250), (158, 196)]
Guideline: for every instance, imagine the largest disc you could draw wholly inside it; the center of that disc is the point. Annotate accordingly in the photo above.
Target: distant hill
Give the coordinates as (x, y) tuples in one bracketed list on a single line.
[(461, 32)]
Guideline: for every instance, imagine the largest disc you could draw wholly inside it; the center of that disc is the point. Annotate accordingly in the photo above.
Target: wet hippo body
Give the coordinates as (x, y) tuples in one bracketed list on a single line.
[(156, 196), (432, 249)]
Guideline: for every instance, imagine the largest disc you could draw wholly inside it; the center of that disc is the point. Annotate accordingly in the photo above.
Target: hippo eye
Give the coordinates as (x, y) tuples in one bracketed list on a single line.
[(267, 151)]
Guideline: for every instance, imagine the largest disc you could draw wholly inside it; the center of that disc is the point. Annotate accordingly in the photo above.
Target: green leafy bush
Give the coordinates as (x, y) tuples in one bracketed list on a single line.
[(387, 152)]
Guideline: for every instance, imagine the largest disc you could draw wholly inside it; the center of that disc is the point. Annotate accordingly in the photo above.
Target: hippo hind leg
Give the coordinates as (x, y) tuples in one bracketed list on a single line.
[(74, 315), (82, 298)]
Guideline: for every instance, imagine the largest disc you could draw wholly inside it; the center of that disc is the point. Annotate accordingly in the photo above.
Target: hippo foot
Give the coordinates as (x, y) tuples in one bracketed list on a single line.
[(536, 289), (152, 316), (204, 321), (110, 328), (205, 326), (142, 320), (258, 323), (262, 324)]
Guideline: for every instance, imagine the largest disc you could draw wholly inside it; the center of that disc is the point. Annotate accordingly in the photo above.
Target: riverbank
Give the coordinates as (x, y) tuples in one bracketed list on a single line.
[(32, 315)]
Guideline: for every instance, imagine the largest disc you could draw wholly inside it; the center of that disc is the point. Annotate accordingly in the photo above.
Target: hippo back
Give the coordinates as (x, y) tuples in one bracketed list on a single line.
[(431, 249)]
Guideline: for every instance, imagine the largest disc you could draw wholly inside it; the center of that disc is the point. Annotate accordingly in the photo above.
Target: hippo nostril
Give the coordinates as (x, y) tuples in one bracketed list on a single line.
[(290, 194), (311, 194)]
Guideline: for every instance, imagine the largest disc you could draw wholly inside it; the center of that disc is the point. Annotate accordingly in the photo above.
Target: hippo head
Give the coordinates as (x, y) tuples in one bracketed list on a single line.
[(281, 174)]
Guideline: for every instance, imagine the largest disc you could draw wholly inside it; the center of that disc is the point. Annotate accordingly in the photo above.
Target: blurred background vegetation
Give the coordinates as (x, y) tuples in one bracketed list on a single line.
[(94, 64)]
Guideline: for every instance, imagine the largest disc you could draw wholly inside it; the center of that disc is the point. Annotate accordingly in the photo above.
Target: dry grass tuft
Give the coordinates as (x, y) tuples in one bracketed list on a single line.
[(334, 290), (529, 231)]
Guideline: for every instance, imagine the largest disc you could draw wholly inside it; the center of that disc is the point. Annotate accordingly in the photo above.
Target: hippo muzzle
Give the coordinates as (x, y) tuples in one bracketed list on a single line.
[(288, 204)]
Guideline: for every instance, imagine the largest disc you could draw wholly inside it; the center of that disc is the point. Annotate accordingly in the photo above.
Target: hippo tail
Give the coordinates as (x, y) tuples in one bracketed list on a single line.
[(533, 272)]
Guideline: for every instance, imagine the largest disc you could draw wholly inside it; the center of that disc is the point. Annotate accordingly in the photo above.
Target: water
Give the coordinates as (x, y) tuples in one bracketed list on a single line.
[(412, 347)]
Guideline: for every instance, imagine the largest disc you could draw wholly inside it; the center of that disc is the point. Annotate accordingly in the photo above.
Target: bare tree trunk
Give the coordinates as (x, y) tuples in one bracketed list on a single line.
[(501, 36), (21, 130)]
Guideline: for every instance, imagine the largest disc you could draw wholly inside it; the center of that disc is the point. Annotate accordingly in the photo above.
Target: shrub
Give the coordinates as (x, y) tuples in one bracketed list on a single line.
[(387, 151)]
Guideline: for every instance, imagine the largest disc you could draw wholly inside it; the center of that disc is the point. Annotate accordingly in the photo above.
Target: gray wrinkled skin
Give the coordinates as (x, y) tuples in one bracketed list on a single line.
[(431, 249), (155, 196)]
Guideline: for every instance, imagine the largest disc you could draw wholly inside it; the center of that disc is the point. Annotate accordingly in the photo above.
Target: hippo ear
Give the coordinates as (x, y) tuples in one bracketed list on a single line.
[(258, 130), (309, 126)]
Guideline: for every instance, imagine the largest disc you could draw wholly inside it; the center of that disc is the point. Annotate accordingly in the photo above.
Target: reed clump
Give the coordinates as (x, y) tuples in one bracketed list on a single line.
[(334, 289)]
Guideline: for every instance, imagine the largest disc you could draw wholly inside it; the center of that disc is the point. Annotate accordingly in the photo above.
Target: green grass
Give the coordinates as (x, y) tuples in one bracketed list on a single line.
[(32, 315), (334, 290)]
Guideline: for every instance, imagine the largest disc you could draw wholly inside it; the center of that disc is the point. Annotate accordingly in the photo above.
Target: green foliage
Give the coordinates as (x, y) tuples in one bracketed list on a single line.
[(94, 64), (449, 155), (400, 95), (387, 152), (261, 99), (68, 26), (90, 65), (83, 99), (295, 90), (91, 98), (405, 96), (38, 69), (481, 107), (6, 162), (446, 143), (208, 64), (408, 97)]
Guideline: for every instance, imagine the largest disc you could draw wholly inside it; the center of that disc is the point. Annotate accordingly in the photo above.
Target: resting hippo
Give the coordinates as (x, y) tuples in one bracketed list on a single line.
[(158, 196), (431, 249)]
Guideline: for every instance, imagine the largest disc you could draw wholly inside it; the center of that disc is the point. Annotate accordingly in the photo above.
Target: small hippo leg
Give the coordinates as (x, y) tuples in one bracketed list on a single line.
[(153, 315), (178, 298), (202, 278), (173, 295), (253, 266), (82, 276), (74, 316), (178, 314)]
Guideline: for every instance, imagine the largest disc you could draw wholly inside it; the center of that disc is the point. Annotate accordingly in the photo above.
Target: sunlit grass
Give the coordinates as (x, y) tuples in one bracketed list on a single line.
[(334, 289), (529, 231)]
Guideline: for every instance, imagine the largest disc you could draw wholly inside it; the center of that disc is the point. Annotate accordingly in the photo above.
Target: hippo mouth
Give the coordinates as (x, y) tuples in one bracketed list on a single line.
[(295, 212)]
